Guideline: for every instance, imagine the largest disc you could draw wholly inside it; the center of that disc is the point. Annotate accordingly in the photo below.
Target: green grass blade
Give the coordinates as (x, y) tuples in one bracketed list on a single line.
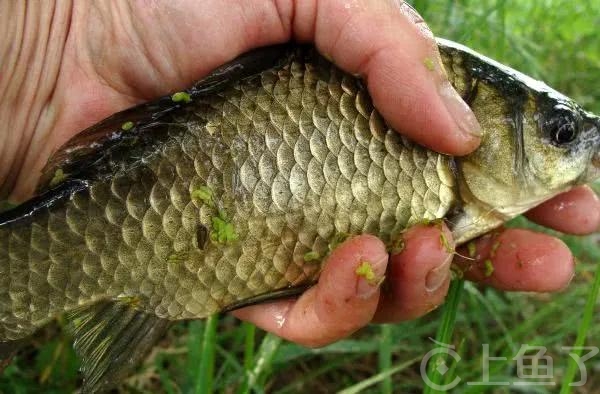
[(318, 374), (262, 363), (582, 333), (444, 333), (449, 376), (194, 354), (489, 307), (250, 333), (230, 371), (380, 377), (385, 357), (249, 339), (207, 361)]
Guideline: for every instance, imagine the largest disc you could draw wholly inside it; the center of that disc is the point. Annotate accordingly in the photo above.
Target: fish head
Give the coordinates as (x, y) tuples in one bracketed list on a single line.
[(560, 146), (538, 149), (536, 143)]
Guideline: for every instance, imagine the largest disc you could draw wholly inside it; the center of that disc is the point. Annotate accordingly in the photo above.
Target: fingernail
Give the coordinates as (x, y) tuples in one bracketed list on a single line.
[(437, 276), (460, 111), (369, 279)]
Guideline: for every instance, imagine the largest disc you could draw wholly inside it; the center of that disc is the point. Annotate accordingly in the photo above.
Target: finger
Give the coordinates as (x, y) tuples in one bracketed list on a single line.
[(518, 260), (398, 57), (343, 301), (419, 276), (574, 212)]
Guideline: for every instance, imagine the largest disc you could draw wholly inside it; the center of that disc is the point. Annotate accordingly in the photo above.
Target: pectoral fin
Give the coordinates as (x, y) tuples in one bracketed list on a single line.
[(111, 339), (274, 295)]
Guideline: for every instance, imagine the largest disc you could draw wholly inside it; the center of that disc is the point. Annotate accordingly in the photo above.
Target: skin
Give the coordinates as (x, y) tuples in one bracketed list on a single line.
[(75, 64)]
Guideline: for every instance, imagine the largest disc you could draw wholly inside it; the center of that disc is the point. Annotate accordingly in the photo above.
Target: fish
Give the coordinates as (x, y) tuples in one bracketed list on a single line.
[(234, 191)]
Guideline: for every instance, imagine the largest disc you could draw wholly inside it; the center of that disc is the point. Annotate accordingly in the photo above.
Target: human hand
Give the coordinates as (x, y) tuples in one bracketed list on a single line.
[(116, 54)]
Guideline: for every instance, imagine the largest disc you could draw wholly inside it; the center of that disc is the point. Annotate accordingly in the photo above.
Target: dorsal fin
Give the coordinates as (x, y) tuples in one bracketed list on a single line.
[(86, 150), (56, 195), (111, 339)]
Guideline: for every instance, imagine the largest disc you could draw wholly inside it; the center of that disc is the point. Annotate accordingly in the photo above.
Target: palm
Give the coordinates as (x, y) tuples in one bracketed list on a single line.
[(116, 58)]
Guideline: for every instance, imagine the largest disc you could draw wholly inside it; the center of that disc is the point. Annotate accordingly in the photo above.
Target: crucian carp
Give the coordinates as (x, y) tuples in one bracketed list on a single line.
[(234, 191)]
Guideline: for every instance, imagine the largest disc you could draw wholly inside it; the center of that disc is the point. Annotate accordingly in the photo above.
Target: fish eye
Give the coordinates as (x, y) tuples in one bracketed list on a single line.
[(562, 129)]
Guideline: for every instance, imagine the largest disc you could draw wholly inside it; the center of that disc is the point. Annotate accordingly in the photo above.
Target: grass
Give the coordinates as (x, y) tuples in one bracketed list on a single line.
[(551, 40), (205, 372), (582, 334), (443, 338), (385, 357)]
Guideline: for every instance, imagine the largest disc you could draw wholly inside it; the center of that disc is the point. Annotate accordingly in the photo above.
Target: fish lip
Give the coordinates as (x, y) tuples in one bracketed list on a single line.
[(592, 172)]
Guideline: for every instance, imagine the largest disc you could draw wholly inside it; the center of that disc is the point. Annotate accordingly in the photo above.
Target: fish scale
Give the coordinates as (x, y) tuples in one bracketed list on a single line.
[(322, 163)]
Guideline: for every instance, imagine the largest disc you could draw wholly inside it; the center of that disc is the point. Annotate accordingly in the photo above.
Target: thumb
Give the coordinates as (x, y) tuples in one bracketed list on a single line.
[(394, 51)]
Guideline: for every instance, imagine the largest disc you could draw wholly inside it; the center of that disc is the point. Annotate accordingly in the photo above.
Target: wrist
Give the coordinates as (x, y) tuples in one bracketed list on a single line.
[(32, 41)]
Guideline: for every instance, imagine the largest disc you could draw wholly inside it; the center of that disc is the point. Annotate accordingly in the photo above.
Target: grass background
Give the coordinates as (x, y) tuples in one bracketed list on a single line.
[(555, 41)]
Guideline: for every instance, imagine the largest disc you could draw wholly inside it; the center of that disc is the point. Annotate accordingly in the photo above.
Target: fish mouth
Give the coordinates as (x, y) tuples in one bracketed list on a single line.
[(592, 172)]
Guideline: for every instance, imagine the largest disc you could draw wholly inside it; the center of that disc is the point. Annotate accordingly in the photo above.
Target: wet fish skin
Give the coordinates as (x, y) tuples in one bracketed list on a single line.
[(209, 205)]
